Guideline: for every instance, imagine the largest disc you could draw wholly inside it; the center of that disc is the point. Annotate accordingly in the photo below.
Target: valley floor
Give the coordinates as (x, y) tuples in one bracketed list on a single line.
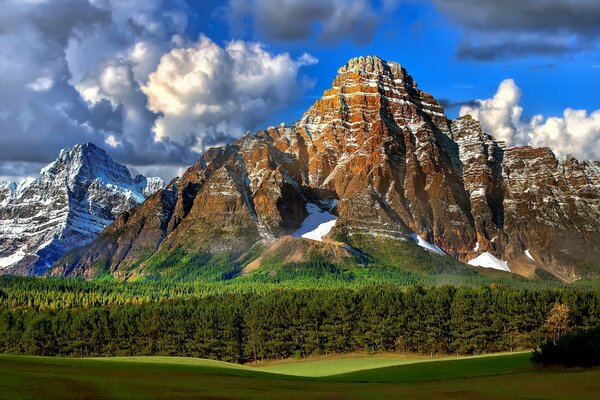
[(348, 377)]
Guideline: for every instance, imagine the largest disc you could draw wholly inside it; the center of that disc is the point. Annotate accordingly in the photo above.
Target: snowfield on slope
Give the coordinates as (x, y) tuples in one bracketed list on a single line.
[(426, 245), (317, 225), (486, 260), (12, 259)]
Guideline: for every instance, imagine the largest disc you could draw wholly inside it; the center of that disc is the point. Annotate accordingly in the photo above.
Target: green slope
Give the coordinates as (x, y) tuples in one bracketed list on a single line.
[(488, 365), (302, 264), (365, 368)]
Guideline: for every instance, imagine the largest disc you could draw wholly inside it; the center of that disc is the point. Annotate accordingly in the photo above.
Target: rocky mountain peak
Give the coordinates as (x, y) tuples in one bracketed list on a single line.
[(74, 198), (375, 66), (366, 90), (87, 162)]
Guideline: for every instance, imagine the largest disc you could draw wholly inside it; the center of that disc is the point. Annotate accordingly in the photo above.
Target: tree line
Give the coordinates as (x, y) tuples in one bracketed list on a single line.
[(299, 323)]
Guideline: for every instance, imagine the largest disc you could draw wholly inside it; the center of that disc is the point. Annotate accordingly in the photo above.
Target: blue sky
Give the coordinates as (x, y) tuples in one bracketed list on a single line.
[(156, 82), (418, 36)]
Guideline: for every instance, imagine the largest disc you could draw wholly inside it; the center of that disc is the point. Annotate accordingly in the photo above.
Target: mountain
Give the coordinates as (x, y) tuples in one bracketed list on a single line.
[(72, 201), (376, 165)]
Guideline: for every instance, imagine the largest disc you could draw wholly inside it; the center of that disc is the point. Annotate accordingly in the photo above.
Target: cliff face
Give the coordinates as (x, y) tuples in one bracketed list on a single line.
[(529, 207), (71, 202), (380, 154)]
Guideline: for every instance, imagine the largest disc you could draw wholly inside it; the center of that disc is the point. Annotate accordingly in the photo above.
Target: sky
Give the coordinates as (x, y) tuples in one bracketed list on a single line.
[(156, 82)]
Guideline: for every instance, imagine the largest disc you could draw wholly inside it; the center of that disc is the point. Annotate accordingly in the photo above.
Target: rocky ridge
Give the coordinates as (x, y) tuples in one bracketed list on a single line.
[(72, 201), (384, 153)]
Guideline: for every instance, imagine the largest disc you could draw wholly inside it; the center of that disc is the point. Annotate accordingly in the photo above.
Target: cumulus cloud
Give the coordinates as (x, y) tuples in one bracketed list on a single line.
[(514, 28), (330, 20), (576, 132), (219, 92), (36, 96), (500, 116), (74, 72)]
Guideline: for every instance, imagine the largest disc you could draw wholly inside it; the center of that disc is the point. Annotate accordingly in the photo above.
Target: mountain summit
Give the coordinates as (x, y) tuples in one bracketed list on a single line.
[(378, 162), (72, 201)]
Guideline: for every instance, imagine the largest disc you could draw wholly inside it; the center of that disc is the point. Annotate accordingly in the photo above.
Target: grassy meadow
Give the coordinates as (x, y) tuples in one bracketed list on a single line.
[(338, 377)]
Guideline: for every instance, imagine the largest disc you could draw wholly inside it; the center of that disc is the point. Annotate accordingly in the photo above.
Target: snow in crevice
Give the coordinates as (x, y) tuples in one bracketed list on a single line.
[(330, 204), (426, 245), (487, 260), (528, 254), (317, 225)]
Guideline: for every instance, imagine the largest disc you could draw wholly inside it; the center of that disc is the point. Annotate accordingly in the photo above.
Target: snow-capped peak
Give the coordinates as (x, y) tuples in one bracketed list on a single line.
[(69, 204), (88, 162)]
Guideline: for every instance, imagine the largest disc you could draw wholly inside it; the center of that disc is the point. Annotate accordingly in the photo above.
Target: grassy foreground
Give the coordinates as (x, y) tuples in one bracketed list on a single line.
[(360, 377)]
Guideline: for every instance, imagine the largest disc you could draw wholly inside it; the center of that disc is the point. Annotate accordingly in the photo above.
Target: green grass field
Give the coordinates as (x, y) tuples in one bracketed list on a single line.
[(507, 376), (344, 364)]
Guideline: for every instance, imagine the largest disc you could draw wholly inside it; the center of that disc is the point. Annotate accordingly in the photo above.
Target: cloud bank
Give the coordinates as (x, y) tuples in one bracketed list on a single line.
[(80, 71), (516, 28), (576, 132)]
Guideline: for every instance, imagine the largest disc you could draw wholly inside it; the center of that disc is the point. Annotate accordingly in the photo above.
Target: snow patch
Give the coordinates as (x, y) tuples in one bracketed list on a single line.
[(480, 192), (426, 245), (486, 260), (317, 225), (528, 254), (6, 262)]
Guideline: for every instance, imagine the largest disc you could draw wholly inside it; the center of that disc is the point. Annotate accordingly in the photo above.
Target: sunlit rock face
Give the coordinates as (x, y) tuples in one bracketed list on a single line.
[(380, 155), (72, 201)]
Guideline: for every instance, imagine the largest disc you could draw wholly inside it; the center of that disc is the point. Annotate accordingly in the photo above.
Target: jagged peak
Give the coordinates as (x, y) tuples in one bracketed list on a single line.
[(372, 64), (368, 63), (86, 160), (366, 86), (85, 151), (84, 163)]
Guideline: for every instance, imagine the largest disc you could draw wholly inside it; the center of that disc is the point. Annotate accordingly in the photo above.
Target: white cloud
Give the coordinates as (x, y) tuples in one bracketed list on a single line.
[(219, 92), (41, 84), (500, 116), (112, 141), (577, 132)]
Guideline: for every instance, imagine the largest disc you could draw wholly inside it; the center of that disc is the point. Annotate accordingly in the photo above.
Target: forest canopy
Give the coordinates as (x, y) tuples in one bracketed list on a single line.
[(110, 320)]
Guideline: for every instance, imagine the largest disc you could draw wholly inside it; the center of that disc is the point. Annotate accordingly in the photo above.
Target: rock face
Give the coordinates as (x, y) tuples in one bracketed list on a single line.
[(383, 152), (529, 207), (72, 201)]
